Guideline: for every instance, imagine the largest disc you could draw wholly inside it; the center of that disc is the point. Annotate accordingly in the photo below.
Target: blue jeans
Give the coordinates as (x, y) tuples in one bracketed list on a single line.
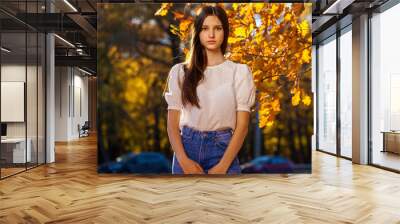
[(206, 148)]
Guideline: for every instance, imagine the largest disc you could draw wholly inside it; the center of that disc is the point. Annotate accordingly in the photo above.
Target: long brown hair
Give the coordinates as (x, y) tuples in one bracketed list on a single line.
[(197, 62)]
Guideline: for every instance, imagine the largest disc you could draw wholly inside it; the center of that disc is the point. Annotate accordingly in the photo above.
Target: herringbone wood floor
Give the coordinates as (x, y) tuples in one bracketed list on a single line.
[(70, 191)]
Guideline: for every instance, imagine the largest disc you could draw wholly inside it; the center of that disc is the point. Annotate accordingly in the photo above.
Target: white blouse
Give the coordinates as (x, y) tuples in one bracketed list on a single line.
[(226, 88)]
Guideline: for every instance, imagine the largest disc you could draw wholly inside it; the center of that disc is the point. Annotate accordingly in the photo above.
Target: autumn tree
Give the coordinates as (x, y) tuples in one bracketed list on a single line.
[(273, 39), (135, 52)]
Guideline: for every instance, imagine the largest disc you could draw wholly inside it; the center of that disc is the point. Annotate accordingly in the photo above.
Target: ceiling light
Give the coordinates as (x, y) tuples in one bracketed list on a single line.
[(337, 7), (70, 5), (65, 41), (84, 71), (5, 50)]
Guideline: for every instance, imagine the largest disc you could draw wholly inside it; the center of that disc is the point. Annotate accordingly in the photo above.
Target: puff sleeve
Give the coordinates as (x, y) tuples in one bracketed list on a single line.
[(173, 91), (245, 90)]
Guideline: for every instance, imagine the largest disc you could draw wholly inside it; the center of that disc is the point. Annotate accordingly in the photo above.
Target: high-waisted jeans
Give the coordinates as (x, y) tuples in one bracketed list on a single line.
[(206, 148)]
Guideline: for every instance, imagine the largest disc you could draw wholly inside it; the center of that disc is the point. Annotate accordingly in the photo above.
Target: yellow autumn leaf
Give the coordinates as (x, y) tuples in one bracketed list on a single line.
[(164, 9), (304, 28), (274, 8), (240, 32), (174, 29), (184, 25), (235, 6), (306, 100), (287, 17), (258, 7), (236, 56), (262, 122), (257, 73), (251, 27), (276, 105), (232, 40), (306, 56), (242, 10), (296, 98), (273, 30), (258, 38)]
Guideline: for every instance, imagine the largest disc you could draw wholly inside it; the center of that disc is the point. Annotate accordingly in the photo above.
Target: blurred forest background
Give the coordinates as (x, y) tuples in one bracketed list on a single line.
[(139, 43)]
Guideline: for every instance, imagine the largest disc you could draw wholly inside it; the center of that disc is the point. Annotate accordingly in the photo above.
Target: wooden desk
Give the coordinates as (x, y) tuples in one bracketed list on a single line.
[(391, 141), (13, 150)]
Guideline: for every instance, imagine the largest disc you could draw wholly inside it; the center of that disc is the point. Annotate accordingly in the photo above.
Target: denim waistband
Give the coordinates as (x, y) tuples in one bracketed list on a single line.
[(188, 131)]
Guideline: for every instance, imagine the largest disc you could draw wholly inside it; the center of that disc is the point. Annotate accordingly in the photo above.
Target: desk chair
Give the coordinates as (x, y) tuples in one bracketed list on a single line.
[(84, 130)]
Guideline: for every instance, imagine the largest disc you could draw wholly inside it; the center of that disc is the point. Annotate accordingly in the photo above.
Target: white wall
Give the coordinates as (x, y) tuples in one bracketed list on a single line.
[(80, 109), (61, 103), (71, 94)]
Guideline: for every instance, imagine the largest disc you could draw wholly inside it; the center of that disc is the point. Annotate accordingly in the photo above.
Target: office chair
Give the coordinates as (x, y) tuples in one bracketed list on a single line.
[(84, 130)]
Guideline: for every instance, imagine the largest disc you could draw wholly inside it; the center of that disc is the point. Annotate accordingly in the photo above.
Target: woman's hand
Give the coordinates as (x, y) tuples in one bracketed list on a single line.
[(188, 166), (242, 121), (191, 167), (218, 169)]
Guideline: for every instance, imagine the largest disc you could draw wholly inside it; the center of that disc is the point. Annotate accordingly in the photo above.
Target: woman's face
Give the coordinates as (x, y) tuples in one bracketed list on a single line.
[(212, 33)]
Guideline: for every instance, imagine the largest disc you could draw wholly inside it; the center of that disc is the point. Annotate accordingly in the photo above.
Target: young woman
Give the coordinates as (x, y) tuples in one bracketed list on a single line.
[(209, 100)]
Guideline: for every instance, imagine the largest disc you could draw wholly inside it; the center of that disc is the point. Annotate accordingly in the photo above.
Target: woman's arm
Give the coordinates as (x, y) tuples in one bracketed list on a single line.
[(188, 166), (242, 121)]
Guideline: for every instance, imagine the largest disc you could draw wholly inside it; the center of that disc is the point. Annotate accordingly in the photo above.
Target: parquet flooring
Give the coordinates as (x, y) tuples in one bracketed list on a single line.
[(71, 191), (11, 170)]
